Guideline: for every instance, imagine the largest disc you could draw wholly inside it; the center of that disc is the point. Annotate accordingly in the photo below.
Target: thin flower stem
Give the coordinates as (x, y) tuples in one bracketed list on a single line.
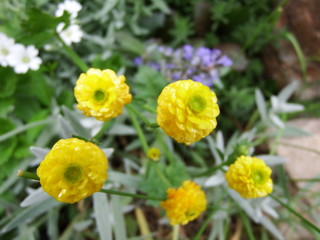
[(24, 128), (33, 176), (138, 129), (247, 225), (204, 225), (175, 235), (73, 55), (28, 175), (290, 209), (139, 115), (212, 170), (126, 194), (145, 144), (305, 179), (276, 141), (300, 147), (161, 175), (104, 127)]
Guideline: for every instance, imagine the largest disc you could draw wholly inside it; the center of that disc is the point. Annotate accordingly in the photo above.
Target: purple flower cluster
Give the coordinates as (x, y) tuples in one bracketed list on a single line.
[(200, 64)]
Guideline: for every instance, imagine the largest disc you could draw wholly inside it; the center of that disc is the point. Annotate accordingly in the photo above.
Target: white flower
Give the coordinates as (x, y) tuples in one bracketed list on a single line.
[(71, 6), (24, 58), (71, 34), (6, 46)]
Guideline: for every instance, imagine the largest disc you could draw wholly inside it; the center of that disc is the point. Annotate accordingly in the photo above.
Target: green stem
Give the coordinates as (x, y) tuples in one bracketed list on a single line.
[(212, 170), (138, 129), (160, 174), (247, 224), (28, 175), (24, 128), (125, 194), (305, 179), (33, 176), (139, 115), (73, 55), (104, 127), (300, 147), (204, 225), (310, 224), (276, 142), (175, 235)]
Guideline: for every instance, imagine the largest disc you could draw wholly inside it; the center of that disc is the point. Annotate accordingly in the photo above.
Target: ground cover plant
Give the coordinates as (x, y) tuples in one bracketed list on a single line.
[(134, 119)]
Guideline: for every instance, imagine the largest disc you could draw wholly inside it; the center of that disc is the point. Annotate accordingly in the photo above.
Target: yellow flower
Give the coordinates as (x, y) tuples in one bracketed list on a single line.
[(250, 177), (187, 111), (154, 154), (185, 203), (101, 94), (72, 170)]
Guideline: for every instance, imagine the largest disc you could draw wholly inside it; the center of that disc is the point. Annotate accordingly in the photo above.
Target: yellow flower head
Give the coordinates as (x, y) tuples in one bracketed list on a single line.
[(250, 177), (185, 203), (101, 94), (72, 170), (154, 154), (187, 111)]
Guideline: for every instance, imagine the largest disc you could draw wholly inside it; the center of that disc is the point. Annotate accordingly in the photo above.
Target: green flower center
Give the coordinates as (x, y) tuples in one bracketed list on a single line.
[(189, 214), (4, 51), (259, 177), (73, 174), (25, 59), (197, 103), (100, 95)]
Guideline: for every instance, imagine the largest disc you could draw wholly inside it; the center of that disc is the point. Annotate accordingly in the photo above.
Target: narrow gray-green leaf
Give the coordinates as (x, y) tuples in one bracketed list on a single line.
[(261, 103), (30, 213), (119, 226), (102, 215)]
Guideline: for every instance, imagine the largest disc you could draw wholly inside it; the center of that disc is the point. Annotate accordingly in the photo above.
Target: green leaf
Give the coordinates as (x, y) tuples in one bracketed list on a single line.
[(8, 82), (30, 213), (26, 107), (33, 133), (115, 62), (6, 147), (40, 88), (130, 43), (39, 26), (149, 84), (151, 181), (38, 21), (183, 28), (176, 173), (5, 106)]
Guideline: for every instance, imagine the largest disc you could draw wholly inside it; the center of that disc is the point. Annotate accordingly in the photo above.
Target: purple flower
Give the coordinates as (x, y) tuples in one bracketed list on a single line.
[(137, 61), (170, 66), (176, 75), (224, 61), (213, 74), (187, 52), (168, 51), (190, 71), (203, 51), (154, 65)]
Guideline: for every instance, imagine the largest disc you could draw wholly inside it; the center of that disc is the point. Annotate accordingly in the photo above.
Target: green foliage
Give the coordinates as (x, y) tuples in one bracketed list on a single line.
[(148, 84), (175, 172), (39, 26), (183, 28)]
